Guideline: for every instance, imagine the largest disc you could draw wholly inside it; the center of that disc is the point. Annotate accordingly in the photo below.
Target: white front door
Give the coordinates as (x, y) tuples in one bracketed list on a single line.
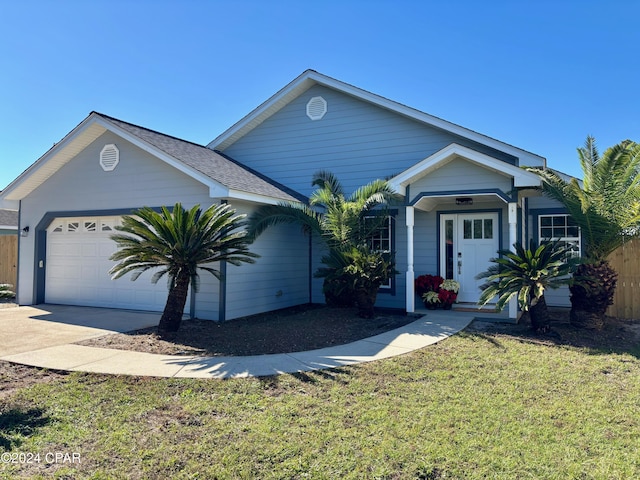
[(468, 242)]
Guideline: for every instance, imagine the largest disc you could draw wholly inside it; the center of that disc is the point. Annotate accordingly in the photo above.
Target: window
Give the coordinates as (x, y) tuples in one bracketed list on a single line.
[(561, 228), (380, 238), (478, 229)]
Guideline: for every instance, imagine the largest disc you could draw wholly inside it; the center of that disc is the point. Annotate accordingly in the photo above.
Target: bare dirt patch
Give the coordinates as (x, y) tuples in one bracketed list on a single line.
[(295, 329), (14, 377), (618, 335)]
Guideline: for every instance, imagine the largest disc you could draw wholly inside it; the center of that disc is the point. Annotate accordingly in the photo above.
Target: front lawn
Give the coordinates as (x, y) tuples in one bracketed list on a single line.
[(481, 404)]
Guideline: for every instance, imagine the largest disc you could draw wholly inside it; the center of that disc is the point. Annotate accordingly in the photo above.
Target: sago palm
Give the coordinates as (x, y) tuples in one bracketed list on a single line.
[(606, 207), (526, 274), (178, 244)]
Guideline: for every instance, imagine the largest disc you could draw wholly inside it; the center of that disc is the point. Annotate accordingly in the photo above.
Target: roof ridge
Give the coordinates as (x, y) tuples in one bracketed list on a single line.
[(109, 117)]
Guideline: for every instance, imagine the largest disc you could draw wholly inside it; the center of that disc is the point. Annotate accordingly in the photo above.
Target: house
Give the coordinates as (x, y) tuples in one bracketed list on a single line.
[(465, 196), (8, 246), (8, 221)]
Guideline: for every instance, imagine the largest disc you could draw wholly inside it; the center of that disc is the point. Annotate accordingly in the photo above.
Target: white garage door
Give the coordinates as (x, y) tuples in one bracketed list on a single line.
[(78, 251)]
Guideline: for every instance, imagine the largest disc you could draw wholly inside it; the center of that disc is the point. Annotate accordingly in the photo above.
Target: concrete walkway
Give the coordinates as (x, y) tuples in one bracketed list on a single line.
[(44, 337)]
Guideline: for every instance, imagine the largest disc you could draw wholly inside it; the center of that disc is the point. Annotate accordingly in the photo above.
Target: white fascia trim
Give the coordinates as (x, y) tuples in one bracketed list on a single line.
[(9, 204), (216, 189), (310, 77), (262, 112), (8, 227), (40, 170), (521, 177), (428, 203), (254, 198)]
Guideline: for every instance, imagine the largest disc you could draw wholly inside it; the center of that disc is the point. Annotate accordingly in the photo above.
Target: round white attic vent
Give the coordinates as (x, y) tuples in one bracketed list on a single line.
[(316, 108), (109, 157)]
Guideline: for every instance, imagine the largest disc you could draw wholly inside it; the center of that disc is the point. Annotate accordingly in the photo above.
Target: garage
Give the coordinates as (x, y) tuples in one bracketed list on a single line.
[(77, 269)]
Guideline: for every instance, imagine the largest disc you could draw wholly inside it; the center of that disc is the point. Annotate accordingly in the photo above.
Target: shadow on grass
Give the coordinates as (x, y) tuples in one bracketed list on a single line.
[(618, 336), (16, 423)]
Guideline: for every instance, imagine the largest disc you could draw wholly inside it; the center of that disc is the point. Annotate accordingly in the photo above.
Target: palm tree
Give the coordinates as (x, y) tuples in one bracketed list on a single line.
[(342, 222), (178, 244), (527, 273), (606, 207), (338, 219)]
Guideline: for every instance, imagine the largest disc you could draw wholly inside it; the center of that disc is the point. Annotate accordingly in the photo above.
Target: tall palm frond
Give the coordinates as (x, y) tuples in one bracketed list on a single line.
[(337, 219), (268, 216), (607, 205), (343, 223)]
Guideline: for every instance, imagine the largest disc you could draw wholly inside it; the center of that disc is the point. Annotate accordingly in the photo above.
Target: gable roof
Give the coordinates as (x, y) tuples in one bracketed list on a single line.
[(224, 176), (8, 219), (309, 78), (520, 176)]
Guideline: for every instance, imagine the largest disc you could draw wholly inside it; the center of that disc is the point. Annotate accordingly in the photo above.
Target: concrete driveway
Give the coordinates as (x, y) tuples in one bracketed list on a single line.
[(25, 329)]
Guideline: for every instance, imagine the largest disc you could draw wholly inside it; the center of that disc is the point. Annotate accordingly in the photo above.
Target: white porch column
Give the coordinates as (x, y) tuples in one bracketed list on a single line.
[(410, 289), (513, 238)]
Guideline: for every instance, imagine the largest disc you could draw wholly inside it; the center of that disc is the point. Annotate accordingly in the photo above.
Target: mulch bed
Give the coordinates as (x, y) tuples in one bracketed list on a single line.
[(294, 329)]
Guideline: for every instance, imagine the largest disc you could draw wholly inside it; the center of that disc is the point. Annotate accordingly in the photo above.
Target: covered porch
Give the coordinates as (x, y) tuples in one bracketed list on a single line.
[(468, 205)]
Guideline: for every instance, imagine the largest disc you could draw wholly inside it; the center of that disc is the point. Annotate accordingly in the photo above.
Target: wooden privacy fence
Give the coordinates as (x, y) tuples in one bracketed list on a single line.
[(8, 259), (626, 261)]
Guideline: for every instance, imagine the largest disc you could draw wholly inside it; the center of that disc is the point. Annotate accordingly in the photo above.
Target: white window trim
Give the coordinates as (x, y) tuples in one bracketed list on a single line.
[(389, 227), (568, 239)]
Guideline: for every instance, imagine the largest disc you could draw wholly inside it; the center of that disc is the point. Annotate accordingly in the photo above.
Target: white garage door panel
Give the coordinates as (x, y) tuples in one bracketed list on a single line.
[(78, 251)]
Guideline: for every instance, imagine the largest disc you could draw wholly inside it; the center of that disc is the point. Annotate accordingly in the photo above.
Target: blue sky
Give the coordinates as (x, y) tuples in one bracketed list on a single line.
[(541, 75)]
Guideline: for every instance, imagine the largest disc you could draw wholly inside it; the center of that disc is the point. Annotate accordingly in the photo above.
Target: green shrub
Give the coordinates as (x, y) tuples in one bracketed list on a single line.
[(5, 291)]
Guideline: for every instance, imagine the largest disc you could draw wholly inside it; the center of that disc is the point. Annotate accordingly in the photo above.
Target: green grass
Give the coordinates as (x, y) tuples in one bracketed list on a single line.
[(473, 406)]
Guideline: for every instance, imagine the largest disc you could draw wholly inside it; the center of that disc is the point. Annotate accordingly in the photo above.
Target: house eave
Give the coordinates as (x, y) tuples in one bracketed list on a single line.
[(521, 177), (54, 159), (310, 78), (254, 198), (76, 141)]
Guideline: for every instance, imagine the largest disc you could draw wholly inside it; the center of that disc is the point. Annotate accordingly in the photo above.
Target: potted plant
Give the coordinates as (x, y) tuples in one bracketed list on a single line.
[(427, 283), (431, 300), (448, 293)]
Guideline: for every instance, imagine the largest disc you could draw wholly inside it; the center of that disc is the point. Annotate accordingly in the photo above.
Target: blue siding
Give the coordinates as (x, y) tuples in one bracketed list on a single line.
[(139, 180), (546, 205), (355, 140), (461, 174), (278, 279)]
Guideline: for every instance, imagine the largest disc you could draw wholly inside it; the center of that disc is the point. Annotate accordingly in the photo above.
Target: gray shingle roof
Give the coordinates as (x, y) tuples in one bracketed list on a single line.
[(213, 164), (8, 218)]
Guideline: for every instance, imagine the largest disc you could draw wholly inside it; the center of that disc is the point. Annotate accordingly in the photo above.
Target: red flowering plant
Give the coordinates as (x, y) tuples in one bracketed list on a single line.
[(428, 283), (447, 297), (435, 290)]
